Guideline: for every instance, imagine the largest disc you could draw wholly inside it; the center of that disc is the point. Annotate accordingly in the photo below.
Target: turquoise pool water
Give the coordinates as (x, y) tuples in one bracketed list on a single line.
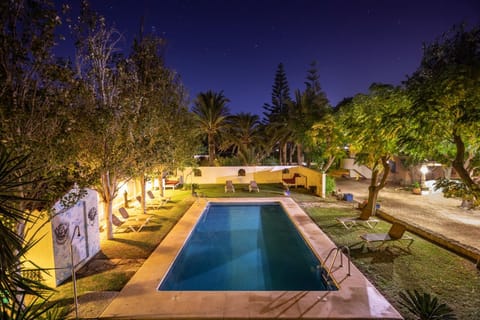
[(247, 247)]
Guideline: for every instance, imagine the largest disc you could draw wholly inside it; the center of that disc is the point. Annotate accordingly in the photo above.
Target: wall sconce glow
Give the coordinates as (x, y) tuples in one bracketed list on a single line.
[(424, 169)]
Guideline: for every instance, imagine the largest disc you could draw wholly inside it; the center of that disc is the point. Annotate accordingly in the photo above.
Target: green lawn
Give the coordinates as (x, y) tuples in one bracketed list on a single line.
[(126, 245), (241, 190), (428, 267)]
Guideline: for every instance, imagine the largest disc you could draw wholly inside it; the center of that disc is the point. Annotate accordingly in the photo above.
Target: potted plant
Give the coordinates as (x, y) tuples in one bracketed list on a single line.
[(416, 188)]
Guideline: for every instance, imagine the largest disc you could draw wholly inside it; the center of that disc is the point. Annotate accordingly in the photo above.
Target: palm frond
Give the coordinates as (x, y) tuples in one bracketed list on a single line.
[(425, 306)]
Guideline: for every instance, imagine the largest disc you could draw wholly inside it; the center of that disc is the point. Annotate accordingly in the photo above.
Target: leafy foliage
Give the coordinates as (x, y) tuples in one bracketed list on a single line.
[(425, 306), (35, 95), (331, 186), (14, 285), (308, 108), (276, 111), (372, 129), (456, 189), (210, 113), (328, 141), (445, 114), (244, 136), (276, 114)]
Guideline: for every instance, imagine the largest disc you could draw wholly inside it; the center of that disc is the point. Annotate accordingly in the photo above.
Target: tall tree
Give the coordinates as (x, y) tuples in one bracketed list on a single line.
[(156, 96), (210, 112), (244, 136), (276, 113), (35, 134), (372, 134), (328, 141), (103, 120), (308, 108), (34, 94), (445, 113), (312, 82)]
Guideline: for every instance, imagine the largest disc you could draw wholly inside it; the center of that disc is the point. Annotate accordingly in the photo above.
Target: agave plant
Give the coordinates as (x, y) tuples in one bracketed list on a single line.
[(425, 306), (15, 288)]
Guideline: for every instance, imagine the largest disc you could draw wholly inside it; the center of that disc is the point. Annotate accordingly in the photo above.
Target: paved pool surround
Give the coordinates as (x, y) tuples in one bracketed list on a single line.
[(356, 298)]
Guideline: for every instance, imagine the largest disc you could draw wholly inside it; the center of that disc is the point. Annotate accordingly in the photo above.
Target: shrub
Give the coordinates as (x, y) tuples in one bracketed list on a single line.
[(331, 185), (425, 306)]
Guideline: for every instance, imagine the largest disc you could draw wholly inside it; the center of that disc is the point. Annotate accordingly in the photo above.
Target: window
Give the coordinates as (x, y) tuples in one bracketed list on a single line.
[(241, 173), (393, 166), (197, 172)]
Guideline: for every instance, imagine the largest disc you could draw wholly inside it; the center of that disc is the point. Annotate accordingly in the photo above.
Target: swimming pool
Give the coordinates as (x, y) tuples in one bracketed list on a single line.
[(245, 246), (356, 297)]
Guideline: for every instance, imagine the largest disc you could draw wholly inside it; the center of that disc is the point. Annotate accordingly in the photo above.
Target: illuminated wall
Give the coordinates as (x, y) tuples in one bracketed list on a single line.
[(52, 252)]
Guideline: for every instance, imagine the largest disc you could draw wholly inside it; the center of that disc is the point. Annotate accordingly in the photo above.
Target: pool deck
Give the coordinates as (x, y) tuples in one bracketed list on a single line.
[(356, 298)]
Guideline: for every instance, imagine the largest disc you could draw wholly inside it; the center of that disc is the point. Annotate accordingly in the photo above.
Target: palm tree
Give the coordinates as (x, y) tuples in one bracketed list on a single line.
[(210, 111), (307, 109), (280, 134), (244, 136)]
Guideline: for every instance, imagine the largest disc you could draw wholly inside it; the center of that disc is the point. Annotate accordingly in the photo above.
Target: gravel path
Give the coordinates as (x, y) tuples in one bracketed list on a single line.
[(432, 212)]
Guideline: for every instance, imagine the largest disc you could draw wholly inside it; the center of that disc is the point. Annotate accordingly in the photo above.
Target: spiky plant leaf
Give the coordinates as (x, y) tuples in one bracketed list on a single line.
[(426, 306), (14, 285)]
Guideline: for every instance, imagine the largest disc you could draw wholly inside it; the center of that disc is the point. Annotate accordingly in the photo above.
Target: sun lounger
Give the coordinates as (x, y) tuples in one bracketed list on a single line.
[(172, 184), (396, 234), (350, 222), (137, 217), (132, 225), (163, 200), (229, 186), (253, 186), (154, 205)]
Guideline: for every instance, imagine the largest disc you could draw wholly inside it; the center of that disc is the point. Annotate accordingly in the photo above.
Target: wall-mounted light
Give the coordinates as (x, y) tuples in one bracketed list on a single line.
[(423, 170)]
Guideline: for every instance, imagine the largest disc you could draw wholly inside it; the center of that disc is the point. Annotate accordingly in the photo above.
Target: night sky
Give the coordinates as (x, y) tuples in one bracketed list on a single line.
[(236, 46)]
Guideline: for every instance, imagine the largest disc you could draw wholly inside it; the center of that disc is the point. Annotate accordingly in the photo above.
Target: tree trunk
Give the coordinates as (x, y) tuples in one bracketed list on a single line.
[(299, 154), (107, 209), (284, 153), (161, 183), (143, 193), (459, 166), (280, 154), (375, 188), (330, 161), (108, 193), (447, 172), (307, 157), (211, 150), (290, 154)]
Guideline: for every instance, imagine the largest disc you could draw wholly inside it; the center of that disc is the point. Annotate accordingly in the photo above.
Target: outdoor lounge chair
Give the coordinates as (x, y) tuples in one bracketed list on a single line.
[(394, 235), (132, 225), (363, 219), (350, 222), (136, 217), (253, 186), (163, 200), (229, 186), (151, 205), (172, 184)]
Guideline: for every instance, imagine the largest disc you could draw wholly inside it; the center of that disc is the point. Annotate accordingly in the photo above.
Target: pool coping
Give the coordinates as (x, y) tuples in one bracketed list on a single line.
[(356, 298)]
